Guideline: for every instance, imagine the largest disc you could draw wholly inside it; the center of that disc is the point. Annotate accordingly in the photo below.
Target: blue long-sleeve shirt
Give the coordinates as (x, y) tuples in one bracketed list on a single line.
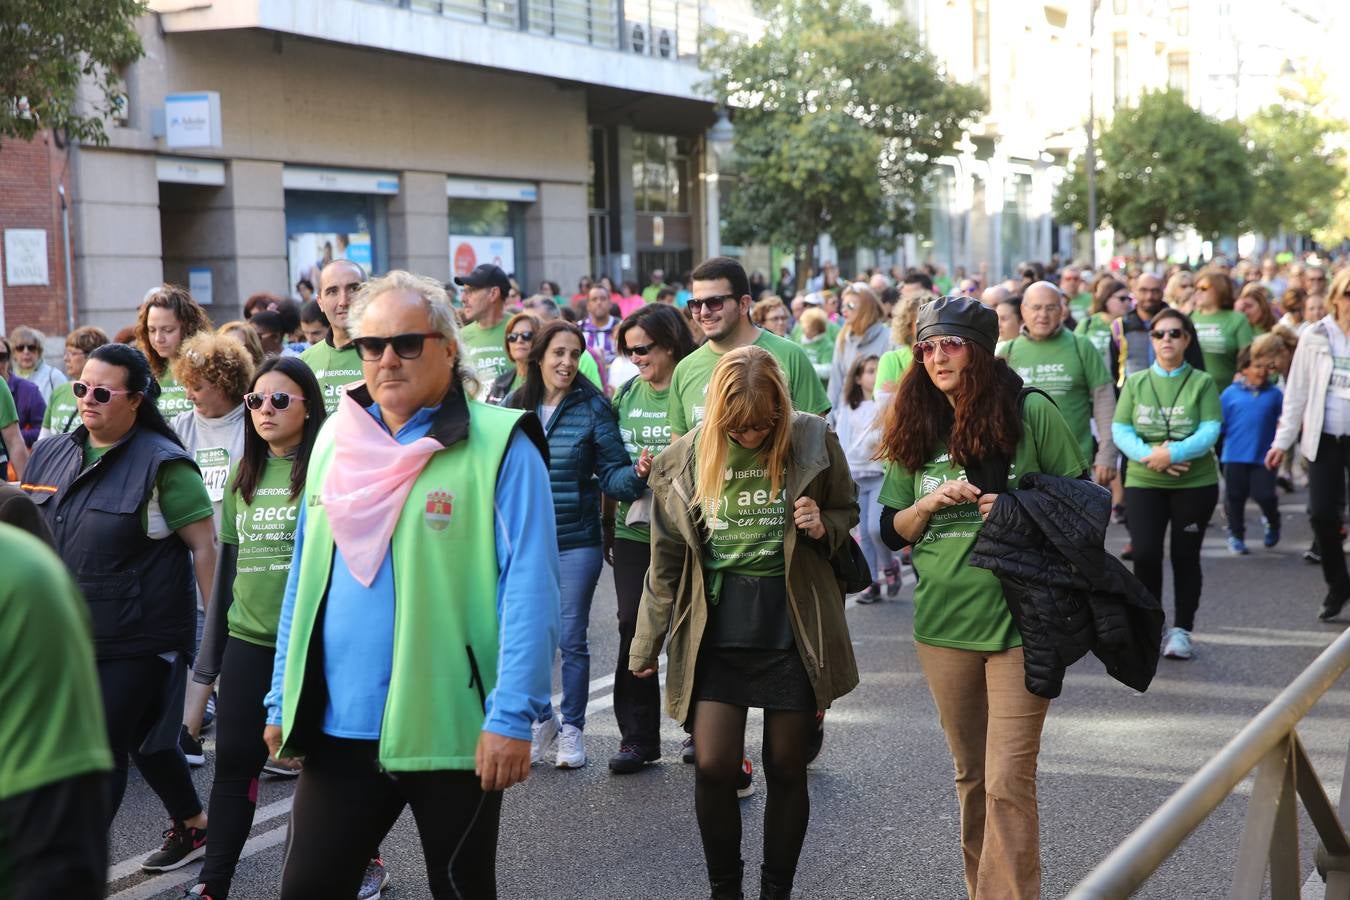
[(1135, 448), (359, 621), (1250, 416)]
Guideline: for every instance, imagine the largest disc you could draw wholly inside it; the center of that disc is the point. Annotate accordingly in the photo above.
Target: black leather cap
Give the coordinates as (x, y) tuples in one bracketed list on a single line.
[(962, 317)]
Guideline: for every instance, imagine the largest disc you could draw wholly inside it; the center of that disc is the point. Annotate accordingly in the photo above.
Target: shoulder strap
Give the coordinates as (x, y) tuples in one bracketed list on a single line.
[(1028, 390), (623, 391)]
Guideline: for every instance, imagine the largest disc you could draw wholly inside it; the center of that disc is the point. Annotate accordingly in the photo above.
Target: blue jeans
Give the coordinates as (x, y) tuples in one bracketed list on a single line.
[(580, 570), (876, 553)]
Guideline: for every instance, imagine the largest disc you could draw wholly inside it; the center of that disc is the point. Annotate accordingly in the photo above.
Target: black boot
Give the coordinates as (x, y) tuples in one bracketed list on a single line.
[(727, 886), (771, 888)]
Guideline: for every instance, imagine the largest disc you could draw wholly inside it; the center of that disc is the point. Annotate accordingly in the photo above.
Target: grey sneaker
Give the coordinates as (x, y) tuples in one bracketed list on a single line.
[(543, 736), (1178, 645), (571, 748), (374, 881)]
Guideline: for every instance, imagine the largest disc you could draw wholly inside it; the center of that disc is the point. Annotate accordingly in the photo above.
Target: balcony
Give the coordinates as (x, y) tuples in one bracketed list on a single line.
[(658, 39)]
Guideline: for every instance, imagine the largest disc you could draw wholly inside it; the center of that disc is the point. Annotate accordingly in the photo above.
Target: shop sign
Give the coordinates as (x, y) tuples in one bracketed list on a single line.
[(184, 170), (192, 120), (474, 189), (343, 181), (26, 256), (200, 287), (308, 252), (468, 251)]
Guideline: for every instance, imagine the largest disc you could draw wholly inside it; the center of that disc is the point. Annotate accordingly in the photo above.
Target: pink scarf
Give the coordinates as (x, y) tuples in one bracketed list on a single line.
[(367, 485)]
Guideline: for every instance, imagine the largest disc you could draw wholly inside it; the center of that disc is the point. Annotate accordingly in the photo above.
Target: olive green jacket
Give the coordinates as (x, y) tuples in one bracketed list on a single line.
[(674, 608)]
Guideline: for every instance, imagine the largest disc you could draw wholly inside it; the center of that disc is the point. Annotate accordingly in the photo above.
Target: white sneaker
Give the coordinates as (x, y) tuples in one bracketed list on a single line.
[(1178, 645), (571, 748), (543, 735)]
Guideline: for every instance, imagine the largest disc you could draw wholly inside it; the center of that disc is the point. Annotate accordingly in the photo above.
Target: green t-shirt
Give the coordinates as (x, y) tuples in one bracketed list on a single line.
[(745, 536), (589, 367), (642, 423), (1222, 334), (51, 707), (956, 604), (831, 332), (1172, 408), (1068, 368), (1079, 306), (486, 350), (689, 384), (334, 369), (893, 365), (1097, 329), (9, 413), (173, 397), (179, 490), (63, 412), (264, 532)]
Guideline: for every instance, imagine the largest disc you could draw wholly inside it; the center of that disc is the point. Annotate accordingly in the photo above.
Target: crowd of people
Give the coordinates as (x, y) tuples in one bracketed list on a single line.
[(317, 530)]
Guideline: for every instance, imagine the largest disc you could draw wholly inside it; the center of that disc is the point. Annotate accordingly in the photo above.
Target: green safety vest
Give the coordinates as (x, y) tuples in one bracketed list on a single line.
[(445, 602)]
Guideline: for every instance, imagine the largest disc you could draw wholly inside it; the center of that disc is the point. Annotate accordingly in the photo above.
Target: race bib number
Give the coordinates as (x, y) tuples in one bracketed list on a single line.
[(1340, 377), (215, 465)]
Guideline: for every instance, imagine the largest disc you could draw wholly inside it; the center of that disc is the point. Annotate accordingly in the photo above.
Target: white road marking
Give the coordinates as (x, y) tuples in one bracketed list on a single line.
[(143, 890)]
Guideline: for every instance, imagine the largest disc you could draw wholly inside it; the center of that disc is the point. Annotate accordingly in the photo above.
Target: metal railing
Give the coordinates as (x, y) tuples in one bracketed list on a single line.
[(1270, 745)]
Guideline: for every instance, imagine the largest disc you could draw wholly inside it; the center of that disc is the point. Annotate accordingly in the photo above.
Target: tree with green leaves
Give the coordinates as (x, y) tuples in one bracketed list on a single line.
[(49, 49), (838, 120), (1295, 167), (1163, 166)]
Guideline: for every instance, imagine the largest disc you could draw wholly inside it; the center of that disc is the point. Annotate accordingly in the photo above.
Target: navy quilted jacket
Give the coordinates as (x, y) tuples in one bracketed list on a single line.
[(585, 457)]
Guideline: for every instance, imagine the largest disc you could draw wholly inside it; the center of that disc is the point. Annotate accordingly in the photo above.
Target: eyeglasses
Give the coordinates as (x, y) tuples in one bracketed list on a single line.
[(26, 348), (951, 346), (1173, 333), (101, 395), (712, 304), (640, 349), (737, 432), (514, 337), (407, 346), (280, 400), (850, 305)]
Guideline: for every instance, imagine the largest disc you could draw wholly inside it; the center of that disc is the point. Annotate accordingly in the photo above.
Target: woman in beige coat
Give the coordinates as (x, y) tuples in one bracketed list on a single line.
[(748, 509)]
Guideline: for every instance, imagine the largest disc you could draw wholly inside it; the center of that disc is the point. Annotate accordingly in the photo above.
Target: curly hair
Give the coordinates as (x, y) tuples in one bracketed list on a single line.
[(191, 318), (219, 359), (985, 421)]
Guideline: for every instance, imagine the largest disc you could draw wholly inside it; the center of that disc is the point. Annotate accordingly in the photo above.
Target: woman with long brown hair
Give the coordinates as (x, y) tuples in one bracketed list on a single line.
[(967, 434), (748, 508), (167, 317)]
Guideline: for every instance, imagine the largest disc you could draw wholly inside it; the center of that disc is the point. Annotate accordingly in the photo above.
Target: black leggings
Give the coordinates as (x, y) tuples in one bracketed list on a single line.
[(133, 701), (1243, 480), (1187, 510), (1326, 503), (637, 701), (246, 675), (344, 806), (719, 747), (53, 840)]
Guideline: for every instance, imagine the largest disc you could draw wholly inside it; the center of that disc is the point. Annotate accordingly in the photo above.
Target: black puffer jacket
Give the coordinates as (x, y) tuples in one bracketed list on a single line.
[(1067, 595)]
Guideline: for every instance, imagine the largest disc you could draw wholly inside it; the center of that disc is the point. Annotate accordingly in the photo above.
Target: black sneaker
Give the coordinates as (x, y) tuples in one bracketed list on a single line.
[(191, 747), (631, 758), (687, 751), (871, 595), (1312, 556), (745, 787), (181, 846), (1118, 514), (1128, 553), (1332, 605), (817, 738), (209, 714)]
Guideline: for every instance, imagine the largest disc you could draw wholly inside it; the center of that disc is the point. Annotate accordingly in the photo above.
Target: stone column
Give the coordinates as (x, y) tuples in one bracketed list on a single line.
[(419, 226)]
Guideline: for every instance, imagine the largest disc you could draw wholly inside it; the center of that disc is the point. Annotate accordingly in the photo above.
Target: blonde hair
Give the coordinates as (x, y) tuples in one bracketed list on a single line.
[(867, 314), (814, 321), (903, 316), (747, 386), (245, 334)]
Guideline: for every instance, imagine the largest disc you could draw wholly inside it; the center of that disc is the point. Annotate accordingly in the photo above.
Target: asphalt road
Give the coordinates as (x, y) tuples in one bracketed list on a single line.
[(884, 815)]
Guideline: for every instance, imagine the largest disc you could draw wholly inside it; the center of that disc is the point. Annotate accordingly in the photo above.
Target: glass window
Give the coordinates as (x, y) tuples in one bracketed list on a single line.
[(661, 172), (980, 44), (1120, 68), (1179, 73), (655, 170)]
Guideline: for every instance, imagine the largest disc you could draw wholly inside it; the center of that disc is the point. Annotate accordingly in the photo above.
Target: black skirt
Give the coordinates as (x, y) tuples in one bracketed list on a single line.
[(765, 679)]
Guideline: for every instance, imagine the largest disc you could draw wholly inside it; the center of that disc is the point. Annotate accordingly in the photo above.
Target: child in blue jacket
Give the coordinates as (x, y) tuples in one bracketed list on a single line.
[(1251, 409)]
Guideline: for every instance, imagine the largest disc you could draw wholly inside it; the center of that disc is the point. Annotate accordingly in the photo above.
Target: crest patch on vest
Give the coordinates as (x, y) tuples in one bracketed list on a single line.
[(440, 504)]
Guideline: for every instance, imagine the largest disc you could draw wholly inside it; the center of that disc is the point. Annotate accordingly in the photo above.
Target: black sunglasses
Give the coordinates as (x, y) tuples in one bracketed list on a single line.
[(640, 349), (712, 304), (280, 400), (407, 346), (1173, 333), (31, 348), (516, 337)]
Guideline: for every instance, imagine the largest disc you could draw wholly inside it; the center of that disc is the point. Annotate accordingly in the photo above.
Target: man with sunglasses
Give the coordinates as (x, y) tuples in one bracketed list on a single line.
[(334, 360), (483, 292), (720, 305), (1130, 343)]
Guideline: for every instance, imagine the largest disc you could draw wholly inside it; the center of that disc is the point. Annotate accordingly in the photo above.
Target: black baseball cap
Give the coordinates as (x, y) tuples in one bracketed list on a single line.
[(960, 316), (486, 275)]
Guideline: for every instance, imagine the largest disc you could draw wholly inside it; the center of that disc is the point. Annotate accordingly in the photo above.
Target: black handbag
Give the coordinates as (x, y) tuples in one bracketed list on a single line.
[(851, 568)]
